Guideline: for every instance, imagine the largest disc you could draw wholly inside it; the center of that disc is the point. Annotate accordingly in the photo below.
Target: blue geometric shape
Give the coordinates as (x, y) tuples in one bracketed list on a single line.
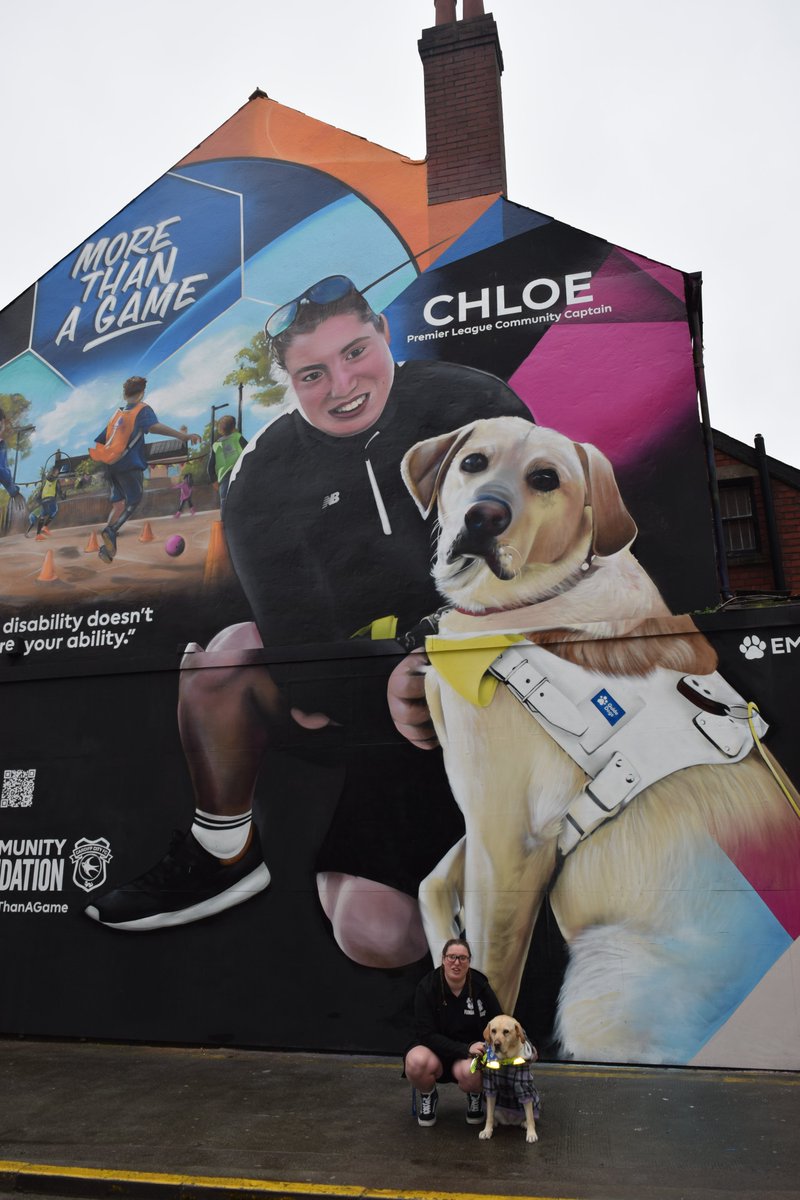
[(517, 219), (35, 380), (500, 222), (275, 195), (347, 237)]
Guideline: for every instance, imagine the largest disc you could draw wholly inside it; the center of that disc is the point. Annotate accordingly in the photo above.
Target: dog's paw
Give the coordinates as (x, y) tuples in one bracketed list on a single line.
[(532, 1136), (753, 647), (485, 1134)]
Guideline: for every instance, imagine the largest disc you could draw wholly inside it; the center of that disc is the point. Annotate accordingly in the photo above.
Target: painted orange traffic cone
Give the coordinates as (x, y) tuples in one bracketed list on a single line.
[(92, 546), (147, 534), (218, 567), (48, 571)]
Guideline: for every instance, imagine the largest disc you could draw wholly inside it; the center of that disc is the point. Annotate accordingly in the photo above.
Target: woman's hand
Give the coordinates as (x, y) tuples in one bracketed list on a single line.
[(477, 1048), (406, 695)]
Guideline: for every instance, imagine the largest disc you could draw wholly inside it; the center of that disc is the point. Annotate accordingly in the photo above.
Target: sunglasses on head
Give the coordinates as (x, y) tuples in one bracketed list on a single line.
[(327, 291)]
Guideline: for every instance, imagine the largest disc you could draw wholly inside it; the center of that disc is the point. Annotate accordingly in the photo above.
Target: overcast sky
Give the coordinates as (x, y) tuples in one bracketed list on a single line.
[(669, 129)]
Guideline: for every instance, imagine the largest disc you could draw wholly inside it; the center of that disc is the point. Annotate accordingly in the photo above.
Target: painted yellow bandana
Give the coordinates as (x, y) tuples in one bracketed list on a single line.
[(464, 663)]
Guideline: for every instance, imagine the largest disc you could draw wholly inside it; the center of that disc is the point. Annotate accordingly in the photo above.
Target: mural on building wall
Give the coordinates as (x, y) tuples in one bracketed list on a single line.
[(271, 434)]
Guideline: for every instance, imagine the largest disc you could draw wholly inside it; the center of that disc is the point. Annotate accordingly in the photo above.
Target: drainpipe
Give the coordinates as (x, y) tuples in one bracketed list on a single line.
[(775, 553), (694, 305)]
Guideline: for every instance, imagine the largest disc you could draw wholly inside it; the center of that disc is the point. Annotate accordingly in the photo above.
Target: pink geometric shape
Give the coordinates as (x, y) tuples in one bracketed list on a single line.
[(668, 277), (632, 294), (772, 868), (623, 387)]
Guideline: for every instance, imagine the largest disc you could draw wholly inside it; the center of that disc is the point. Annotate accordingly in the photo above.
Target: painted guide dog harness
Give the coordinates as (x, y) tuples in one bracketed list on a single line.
[(625, 732)]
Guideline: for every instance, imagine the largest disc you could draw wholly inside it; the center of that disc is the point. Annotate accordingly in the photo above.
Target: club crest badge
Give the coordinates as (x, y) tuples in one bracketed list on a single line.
[(90, 859)]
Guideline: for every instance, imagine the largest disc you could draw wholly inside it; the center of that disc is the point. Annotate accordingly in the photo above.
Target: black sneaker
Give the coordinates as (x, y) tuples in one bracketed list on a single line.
[(426, 1107), (187, 885), (474, 1108)]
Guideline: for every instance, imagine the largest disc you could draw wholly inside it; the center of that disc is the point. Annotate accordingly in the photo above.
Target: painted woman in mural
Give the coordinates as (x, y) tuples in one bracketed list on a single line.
[(325, 540)]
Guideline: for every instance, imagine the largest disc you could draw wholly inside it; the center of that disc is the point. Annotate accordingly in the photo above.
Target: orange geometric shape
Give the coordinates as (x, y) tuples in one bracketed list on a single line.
[(147, 534), (92, 546), (395, 184), (48, 571)]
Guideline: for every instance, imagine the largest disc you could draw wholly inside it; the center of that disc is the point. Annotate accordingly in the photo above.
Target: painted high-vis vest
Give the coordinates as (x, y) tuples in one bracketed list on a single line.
[(119, 433), (226, 453)]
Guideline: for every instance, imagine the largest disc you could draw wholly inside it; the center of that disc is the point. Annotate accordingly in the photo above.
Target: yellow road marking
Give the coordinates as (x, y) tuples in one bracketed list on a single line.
[(268, 1186), (576, 1072), (771, 1080)]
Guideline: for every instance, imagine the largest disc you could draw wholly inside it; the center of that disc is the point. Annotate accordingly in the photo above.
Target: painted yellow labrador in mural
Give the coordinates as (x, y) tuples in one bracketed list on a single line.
[(594, 751)]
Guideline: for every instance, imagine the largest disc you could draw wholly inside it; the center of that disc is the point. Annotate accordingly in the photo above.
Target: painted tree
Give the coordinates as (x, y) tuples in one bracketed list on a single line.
[(17, 409), (256, 369)]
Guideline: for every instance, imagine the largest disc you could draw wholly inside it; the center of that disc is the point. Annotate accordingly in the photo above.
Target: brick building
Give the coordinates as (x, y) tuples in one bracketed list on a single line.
[(760, 513)]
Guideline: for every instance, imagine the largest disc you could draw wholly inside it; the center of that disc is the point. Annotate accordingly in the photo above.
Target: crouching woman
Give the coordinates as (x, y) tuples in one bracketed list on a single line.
[(452, 1006)]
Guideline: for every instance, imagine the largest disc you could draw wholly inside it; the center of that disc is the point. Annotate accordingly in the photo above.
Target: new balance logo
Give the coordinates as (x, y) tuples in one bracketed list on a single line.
[(329, 500)]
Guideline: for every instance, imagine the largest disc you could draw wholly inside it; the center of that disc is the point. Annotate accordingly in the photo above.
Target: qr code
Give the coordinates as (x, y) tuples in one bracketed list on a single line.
[(17, 789)]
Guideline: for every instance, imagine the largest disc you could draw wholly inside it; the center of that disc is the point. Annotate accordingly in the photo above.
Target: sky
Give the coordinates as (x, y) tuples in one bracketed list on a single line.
[(670, 130)]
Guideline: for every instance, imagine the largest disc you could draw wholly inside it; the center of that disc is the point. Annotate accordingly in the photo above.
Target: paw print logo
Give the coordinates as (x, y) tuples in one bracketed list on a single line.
[(753, 647)]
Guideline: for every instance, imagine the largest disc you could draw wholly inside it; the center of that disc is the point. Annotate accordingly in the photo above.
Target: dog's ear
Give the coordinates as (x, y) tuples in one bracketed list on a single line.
[(487, 1033), (519, 1032), (425, 465), (613, 526)]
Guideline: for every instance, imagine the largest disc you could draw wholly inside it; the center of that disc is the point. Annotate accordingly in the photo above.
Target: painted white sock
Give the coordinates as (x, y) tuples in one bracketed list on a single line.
[(224, 837)]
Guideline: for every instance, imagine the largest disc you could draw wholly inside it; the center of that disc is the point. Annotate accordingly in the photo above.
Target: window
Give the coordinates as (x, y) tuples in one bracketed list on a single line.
[(737, 507)]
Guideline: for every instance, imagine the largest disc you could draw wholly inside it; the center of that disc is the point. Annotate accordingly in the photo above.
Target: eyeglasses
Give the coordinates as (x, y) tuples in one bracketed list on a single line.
[(456, 958), (327, 291)]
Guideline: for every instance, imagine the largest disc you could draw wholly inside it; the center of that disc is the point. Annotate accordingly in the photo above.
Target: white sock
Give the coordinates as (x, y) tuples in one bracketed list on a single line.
[(224, 837)]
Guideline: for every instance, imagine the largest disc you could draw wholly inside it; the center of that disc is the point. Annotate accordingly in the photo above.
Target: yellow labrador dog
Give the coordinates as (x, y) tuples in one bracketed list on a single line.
[(511, 1097), (533, 545)]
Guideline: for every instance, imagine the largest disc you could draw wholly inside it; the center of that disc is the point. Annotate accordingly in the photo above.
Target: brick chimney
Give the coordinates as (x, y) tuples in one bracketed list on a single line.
[(462, 64)]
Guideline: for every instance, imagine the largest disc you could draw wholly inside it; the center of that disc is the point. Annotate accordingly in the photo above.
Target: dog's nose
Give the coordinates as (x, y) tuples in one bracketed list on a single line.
[(487, 518)]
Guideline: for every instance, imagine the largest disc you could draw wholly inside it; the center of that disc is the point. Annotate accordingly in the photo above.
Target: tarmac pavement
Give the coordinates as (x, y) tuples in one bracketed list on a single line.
[(85, 1119)]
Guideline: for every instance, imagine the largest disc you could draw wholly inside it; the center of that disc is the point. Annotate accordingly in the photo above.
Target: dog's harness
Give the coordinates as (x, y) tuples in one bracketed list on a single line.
[(624, 732)]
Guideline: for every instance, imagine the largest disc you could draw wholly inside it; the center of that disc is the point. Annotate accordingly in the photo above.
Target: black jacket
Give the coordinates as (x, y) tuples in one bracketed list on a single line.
[(323, 533), (448, 1024)]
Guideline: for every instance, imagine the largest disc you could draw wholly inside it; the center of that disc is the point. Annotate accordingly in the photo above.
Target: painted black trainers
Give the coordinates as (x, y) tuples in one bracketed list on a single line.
[(187, 885), (474, 1108), (427, 1105), (109, 547)]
